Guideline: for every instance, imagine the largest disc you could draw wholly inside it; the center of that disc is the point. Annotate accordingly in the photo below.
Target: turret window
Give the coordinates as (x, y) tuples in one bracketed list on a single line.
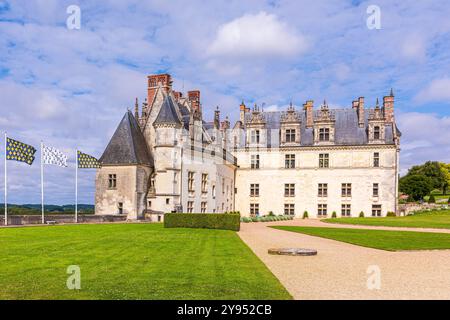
[(191, 181), (112, 181), (254, 161)]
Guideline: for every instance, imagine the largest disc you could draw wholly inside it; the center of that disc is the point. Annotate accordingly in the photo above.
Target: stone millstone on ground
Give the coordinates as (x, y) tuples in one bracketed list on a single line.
[(293, 252)]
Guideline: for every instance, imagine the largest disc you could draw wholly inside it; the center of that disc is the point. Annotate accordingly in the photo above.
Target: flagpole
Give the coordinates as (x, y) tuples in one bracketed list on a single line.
[(6, 185), (76, 186), (42, 183)]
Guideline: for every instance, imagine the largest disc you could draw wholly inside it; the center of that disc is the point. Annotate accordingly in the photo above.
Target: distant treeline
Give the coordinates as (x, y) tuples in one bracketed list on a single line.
[(30, 209)]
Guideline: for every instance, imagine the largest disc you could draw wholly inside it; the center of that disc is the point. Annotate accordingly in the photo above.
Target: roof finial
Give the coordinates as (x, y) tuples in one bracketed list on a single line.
[(136, 109), (377, 104), (392, 92)]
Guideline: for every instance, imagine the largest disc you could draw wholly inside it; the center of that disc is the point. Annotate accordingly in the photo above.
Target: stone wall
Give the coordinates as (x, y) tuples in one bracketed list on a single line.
[(60, 218)]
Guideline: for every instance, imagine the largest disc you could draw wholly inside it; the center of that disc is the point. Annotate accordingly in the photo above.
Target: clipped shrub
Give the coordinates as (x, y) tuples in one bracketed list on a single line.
[(361, 214), (202, 220), (432, 199), (334, 215), (271, 213), (391, 214), (305, 215)]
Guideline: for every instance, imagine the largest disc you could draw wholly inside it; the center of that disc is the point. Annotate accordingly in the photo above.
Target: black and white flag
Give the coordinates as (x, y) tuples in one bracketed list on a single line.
[(53, 156)]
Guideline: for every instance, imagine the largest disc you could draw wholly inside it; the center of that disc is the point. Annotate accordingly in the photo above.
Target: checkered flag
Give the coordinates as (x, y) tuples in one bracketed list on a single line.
[(86, 161), (53, 156)]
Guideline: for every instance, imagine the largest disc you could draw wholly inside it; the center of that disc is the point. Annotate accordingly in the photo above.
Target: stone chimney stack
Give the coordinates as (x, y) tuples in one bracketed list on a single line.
[(361, 120), (178, 95), (388, 107), (156, 80), (242, 111), (194, 99), (308, 107), (355, 104), (136, 109), (217, 118)]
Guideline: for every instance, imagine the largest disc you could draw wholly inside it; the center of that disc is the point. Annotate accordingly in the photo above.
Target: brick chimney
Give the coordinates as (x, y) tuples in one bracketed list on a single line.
[(156, 80), (194, 99), (360, 110), (355, 104), (177, 95), (388, 107), (308, 107)]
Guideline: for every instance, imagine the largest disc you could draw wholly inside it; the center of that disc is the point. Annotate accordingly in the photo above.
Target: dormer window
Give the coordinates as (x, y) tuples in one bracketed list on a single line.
[(255, 136), (290, 135), (376, 133), (324, 134)]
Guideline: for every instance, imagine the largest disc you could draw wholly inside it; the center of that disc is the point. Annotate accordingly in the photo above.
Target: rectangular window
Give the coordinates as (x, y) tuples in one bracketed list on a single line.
[(376, 210), (289, 190), (191, 181), (254, 161), (290, 135), (112, 181), (254, 190), (289, 161), (254, 209), (323, 190), (321, 210), (376, 133), (120, 207), (375, 190), (289, 209), (255, 136), (204, 183), (346, 210), (167, 200), (376, 159), (346, 190), (214, 191), (324, 160), (203, 207), (324, 134), (190, 206)]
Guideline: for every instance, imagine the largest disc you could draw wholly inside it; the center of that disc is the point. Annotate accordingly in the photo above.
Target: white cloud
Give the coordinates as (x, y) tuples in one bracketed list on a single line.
[(437, 90), (257, 35), (413, 47)]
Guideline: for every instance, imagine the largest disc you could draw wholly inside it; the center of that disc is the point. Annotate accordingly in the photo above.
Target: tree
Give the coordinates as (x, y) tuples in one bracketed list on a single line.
[(445, 168), (416, 186), (433, 170)]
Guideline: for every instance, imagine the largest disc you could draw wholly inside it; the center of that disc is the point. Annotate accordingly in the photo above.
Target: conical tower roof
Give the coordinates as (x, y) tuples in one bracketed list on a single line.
[(127, 145)]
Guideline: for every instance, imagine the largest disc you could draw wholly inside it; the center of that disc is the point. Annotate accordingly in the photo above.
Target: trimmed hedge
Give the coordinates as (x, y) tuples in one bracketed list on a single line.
[(227, 221)]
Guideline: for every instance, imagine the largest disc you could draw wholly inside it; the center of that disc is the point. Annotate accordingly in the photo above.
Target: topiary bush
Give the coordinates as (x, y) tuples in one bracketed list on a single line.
[(305, 215), (202, 220), (361, 214), (391, 214), (432, 199), (334, 215)]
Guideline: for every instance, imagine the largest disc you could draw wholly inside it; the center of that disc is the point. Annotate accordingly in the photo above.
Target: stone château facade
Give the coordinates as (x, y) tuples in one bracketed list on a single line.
[(166, 158)]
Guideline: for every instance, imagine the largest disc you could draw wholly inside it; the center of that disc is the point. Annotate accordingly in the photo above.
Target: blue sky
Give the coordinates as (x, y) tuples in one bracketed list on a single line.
[(70, 88)]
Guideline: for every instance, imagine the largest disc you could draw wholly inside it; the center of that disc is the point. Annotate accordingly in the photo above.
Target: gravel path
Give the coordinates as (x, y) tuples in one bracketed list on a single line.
[(339, 271)]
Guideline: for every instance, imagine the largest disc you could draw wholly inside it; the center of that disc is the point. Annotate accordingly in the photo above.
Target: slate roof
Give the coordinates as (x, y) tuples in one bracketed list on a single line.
[(167, 114), (127, 145), (347, 131)]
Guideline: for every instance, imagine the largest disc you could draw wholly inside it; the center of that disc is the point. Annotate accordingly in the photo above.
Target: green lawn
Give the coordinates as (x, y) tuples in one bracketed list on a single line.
[(434, 219), (378, 239), (132, 261)]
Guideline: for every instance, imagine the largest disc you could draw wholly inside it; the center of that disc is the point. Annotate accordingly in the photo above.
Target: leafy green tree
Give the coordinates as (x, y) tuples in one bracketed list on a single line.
[(445, 168), (432, 199), (433, 170), (416, 186)]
